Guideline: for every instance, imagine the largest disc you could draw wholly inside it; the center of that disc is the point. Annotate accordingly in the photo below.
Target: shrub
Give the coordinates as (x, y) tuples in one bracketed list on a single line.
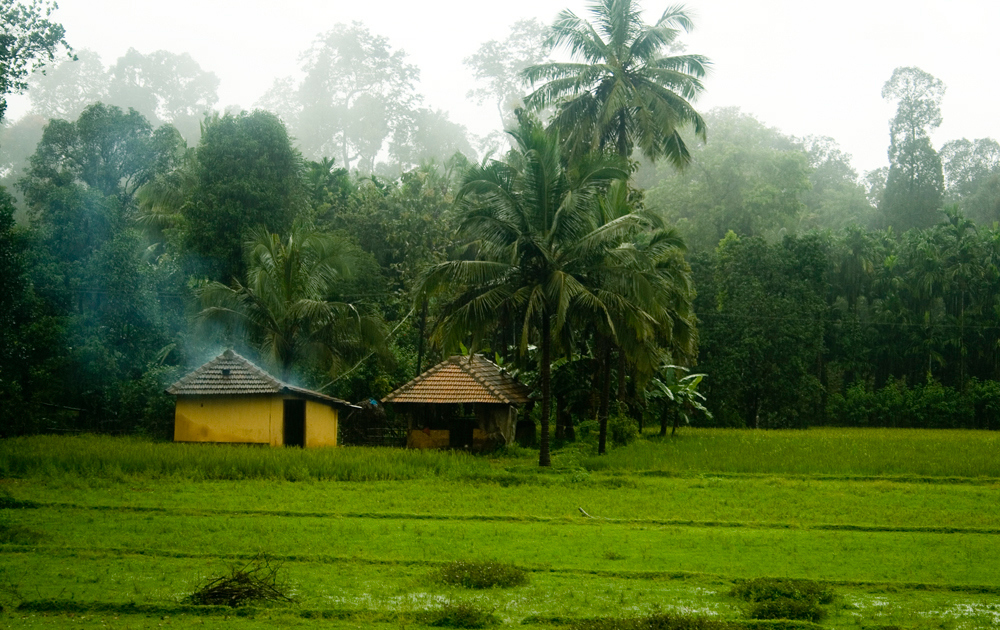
[(481, 575), (786, 608), (459, 615), (776, 598), (622, 429), (770, 589)]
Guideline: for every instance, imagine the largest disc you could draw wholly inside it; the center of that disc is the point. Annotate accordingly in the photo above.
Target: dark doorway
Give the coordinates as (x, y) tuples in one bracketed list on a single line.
[(295, 423), (460, 427)]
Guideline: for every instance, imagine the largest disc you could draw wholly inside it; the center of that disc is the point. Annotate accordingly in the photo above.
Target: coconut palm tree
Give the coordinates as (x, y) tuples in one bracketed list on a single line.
[(622, 91), (647, 287), (534, 227), (285, 308)]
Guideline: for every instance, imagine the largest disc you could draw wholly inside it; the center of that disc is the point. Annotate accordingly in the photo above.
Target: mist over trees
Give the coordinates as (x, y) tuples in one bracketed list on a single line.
[(347, 236), (358, 99)]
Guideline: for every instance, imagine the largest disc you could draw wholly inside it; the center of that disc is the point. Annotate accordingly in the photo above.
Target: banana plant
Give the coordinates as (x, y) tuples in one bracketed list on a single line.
[(682, 394)]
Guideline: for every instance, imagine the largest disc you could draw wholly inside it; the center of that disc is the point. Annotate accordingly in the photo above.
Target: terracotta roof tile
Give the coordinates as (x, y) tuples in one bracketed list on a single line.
[(461, 379), (231, 374)]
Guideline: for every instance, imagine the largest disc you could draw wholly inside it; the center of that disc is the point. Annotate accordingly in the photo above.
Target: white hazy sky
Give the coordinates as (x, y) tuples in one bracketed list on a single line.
[(805, 67)]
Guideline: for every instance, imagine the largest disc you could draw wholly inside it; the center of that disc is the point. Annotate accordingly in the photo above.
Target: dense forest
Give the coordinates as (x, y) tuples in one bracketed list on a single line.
[(632, 259)]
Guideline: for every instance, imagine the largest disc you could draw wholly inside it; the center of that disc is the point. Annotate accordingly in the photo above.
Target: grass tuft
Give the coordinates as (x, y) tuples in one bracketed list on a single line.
[(480, 575), (459, 615), (779, 598)]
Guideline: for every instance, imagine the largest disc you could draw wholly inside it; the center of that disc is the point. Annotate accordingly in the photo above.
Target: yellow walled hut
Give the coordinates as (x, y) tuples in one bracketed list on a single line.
[(463, 402), (231, 400)]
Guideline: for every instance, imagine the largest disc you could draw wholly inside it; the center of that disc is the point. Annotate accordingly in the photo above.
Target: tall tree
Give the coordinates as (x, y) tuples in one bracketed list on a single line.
[(914, 187), (968, 164), (534, 225), (69, 86), (624, 92), (353, 98), (246, 174), (28, 40), (498, 66), (165, 87)]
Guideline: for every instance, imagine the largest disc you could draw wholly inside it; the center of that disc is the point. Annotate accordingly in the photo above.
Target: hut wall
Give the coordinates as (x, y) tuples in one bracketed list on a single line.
[(430, 438), (234, 419), (321, 425)]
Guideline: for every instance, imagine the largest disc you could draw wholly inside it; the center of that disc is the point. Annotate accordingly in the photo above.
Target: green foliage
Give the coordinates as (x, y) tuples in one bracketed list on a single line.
[(246, 175), (284, 307), (29, 41), (622, 92), (928, 406), (622, 429), (482, 574), (766, 175), (760, 338)]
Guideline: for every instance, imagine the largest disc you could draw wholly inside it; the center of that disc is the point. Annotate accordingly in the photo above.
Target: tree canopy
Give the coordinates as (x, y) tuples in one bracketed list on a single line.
[(28, 41), (623, 91)]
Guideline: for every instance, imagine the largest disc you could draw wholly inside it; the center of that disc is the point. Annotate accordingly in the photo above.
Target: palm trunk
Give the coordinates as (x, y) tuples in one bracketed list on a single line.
[(602, 439), (560, 423), (543, 450), (621, 375), (420, 342)]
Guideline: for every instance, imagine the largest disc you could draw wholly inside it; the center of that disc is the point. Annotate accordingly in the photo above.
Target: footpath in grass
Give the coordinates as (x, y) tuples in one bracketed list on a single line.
[(100, 532)]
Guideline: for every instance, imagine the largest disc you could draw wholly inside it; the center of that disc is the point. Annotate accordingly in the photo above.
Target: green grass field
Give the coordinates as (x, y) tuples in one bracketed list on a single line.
[(903, 525)]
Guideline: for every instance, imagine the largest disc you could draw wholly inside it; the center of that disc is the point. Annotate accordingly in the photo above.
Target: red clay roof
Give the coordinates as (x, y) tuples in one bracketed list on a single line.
[(231, 374), (461, 379)]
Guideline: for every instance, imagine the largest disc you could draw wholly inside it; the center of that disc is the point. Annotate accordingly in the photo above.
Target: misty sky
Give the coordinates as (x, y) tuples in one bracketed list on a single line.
[(804, 67)]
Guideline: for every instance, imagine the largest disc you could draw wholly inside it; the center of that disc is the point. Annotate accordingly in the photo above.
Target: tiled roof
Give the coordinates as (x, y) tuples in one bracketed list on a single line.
[(231, 374), (461, 379)]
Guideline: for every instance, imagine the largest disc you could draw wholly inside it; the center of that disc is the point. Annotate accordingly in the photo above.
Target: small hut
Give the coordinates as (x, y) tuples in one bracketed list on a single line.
[(229, 399), (463, 402)]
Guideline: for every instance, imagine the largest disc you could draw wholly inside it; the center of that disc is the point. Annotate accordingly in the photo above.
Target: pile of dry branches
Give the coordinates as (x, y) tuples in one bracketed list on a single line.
[(255, 581)]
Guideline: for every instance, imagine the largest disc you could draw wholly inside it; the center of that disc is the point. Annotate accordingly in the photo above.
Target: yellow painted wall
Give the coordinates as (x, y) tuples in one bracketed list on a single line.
[(321, 425), (248, 420), (240, 419)]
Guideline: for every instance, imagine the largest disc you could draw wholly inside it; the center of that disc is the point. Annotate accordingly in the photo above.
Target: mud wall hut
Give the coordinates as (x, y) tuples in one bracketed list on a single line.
[(464, 402)]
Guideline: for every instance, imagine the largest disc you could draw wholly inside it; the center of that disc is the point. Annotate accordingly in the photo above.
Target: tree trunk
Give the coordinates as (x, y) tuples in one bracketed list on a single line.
[(543, 450), (602, 414), (621, 375), (560, 422), (420, 342)]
